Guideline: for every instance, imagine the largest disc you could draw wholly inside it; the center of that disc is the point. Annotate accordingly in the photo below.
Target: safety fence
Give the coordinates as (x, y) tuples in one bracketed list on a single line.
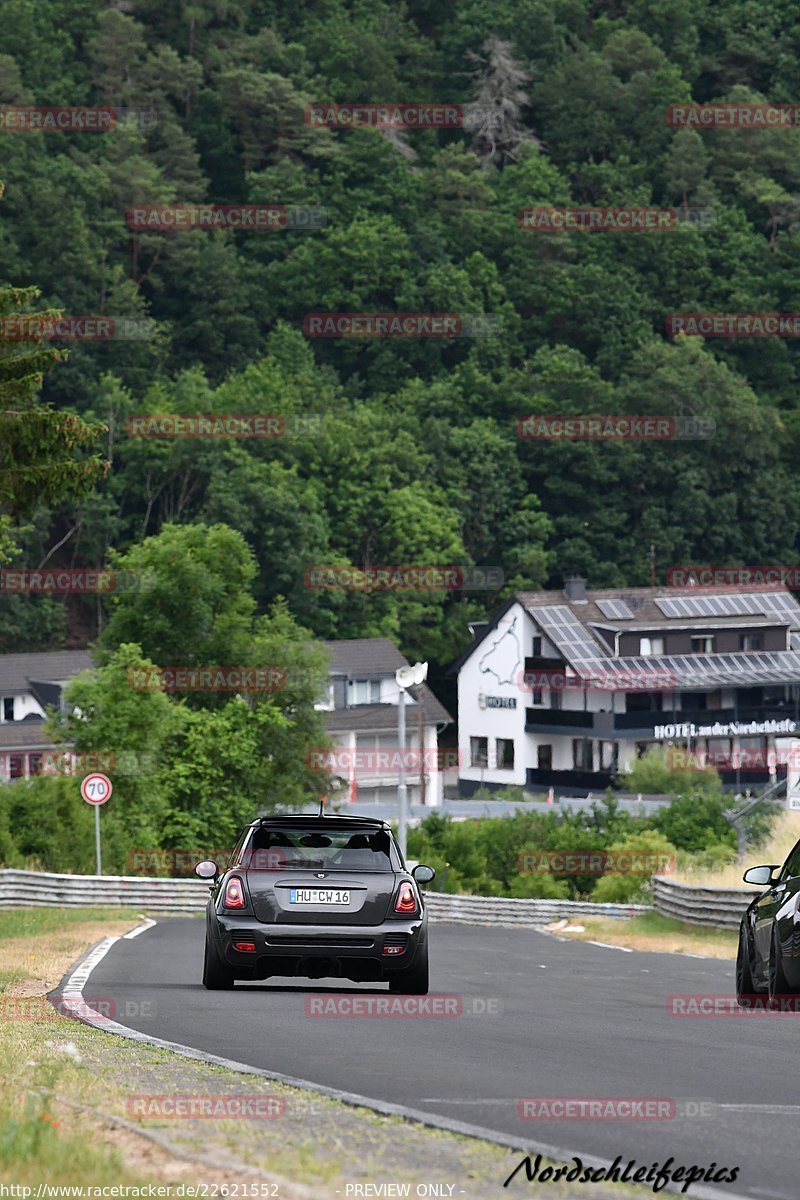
[(24, 888), (698, 905)]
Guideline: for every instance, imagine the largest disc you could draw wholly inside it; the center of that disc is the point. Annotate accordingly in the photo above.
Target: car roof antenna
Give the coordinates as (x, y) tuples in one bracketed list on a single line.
[(321, 812)]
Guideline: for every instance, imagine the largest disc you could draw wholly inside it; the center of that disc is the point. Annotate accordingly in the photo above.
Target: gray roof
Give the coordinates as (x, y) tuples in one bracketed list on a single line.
[(50, 666), (383, 717), (573, 627), (364, 657), (779, 605), (24, 735)]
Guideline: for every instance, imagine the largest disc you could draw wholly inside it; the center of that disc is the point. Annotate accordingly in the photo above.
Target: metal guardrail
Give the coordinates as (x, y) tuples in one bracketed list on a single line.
[(35, 888), (698, 905), (501, 910)]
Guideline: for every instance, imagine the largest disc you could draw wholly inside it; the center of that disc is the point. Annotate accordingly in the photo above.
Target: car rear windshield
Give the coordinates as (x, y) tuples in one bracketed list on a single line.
[(287, 849)]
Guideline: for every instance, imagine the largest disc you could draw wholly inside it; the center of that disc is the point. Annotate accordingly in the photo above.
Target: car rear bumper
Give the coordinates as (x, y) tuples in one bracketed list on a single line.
[(362, 952)]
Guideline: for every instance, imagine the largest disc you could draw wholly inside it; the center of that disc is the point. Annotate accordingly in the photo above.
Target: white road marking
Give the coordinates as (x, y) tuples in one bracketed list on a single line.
[(147, 924)]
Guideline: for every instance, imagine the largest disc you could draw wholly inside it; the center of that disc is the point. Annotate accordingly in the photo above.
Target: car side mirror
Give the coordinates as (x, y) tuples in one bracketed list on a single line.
[(760, 875), (423, 874), (207, 869)]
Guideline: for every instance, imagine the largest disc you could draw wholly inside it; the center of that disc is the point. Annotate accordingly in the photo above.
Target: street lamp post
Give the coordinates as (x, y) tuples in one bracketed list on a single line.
[(406, 677)]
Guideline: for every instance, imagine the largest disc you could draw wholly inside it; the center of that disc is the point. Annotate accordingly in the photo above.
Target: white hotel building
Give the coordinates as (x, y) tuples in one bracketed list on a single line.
[(564, 689)]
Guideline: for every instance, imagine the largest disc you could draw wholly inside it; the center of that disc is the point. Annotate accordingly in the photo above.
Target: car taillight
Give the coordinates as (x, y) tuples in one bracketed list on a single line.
[(245, 947), (234, 893), (406, 901)]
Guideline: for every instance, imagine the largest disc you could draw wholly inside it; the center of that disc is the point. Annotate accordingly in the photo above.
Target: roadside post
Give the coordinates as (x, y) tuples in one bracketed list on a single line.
[(95, 790)]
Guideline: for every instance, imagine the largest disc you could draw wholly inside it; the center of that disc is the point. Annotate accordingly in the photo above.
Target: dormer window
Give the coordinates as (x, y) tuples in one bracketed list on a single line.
[(366, 691), (703, 644), (651, 646), (751, 641)]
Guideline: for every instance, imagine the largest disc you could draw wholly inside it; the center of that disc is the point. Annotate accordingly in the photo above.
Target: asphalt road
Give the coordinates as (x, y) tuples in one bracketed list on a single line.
[(563, 1020)]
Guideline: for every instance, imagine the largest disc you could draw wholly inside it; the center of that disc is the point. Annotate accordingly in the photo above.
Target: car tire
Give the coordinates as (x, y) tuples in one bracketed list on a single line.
[(745, 988), (217, 975), (415, 981), (778, 985)]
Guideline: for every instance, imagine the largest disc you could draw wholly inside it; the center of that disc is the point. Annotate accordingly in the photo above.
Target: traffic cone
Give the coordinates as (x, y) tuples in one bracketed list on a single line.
[(550, 796), (353, 790)]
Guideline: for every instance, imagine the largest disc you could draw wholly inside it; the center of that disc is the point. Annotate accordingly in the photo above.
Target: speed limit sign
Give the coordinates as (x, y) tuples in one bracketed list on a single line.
[(96, 788)]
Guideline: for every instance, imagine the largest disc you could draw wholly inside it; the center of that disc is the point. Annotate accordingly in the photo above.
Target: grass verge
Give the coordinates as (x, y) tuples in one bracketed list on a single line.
[(652, 932)]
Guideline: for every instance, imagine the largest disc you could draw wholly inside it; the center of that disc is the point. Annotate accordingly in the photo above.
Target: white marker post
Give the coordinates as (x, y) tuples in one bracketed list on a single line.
[(95, 790)]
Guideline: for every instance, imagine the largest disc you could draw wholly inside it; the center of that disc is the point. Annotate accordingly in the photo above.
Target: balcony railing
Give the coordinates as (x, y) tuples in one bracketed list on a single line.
[(550, 718)]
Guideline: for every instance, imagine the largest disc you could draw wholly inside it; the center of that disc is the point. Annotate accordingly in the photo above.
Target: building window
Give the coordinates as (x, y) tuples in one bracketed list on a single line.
[(608, 756), (644, 702), (694, 702), (582, 754), (505, 754), (8, 708), (544, 758), (536, 650), (703, 645), (718, 753), (650, 646), (478, 752), (537, 696), (16, 765), (366, 691), (751, 641)]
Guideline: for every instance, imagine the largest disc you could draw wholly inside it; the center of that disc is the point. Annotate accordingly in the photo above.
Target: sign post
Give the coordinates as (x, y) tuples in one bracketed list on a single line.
[(95, 790)]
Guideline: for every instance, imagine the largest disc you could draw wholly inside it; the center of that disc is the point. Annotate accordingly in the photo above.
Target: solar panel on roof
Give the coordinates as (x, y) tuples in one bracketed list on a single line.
[(721, 670), (616, 609), (566, 632), (711, 606)]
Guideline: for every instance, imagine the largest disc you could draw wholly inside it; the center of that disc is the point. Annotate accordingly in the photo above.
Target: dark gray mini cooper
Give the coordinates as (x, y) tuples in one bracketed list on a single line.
[(317, 897)]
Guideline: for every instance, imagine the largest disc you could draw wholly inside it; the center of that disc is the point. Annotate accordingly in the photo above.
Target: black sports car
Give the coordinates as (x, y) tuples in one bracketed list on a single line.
[(768, 960), (317, 897)]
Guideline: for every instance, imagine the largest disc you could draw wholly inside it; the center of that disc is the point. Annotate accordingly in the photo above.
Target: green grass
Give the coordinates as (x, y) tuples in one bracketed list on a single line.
[(29, 922), (654, 923)]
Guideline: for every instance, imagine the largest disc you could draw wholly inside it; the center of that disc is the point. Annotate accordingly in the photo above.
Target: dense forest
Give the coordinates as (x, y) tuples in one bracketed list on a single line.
[(405, 450)]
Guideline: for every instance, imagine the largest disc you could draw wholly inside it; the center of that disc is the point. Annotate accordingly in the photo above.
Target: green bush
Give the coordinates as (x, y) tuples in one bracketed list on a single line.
[(649, 847)]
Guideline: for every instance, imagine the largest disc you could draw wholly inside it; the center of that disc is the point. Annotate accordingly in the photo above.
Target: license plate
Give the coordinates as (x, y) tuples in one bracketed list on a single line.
[(318, 896)]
